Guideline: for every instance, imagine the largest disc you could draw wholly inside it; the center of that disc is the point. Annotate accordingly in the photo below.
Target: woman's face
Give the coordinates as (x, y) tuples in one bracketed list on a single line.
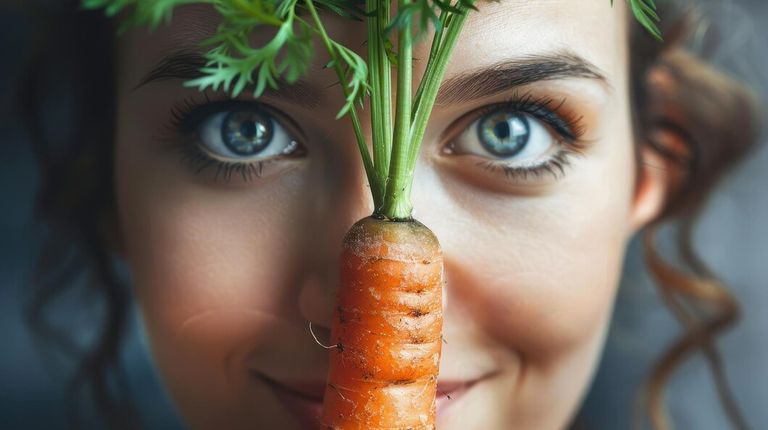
[(232, 261)]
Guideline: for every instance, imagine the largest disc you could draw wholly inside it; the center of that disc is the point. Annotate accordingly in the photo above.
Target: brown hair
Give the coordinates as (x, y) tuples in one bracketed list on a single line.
[(696, 118), (702, 123), (76, 201)]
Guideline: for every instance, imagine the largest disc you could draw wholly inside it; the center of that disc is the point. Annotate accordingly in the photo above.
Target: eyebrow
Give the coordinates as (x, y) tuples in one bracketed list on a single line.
[(508, 74), (485, 82), (186, 65)]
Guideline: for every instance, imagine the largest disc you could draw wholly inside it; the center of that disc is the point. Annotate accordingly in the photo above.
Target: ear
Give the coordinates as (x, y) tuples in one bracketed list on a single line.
[(651, 189), (664, 150), (659, 177)]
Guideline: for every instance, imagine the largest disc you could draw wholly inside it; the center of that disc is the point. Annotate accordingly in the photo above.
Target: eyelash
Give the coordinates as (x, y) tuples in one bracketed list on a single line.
[(568, 127), (189, 113), (186, 116)]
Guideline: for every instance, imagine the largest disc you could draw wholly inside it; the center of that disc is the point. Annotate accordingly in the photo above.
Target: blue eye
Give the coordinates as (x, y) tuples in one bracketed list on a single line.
[(504, 134), (244, 135), (522, 138), (234, 138)]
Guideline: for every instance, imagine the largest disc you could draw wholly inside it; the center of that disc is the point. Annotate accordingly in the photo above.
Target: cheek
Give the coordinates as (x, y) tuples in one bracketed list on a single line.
[(194, 249), (538, 273), (212, 274), (543, 286), (195, 244)]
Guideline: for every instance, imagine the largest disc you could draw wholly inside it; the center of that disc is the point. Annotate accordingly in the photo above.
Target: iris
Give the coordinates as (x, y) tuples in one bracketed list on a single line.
[(504, 134), (247, 132)]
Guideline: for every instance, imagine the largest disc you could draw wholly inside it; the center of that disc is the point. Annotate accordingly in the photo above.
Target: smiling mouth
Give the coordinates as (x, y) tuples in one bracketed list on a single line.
[(304, 399)]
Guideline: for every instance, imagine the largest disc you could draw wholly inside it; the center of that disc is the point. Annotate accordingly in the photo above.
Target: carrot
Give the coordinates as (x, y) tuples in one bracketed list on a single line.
[(387, 329)]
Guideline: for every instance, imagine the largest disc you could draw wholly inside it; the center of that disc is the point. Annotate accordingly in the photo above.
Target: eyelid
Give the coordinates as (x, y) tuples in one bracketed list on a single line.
[(183, 137), (218, 150), (190, 113), (555, 117), (551, 112)]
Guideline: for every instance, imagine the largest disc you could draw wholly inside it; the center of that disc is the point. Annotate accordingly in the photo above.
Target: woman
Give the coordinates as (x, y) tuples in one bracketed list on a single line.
[(231, 255)]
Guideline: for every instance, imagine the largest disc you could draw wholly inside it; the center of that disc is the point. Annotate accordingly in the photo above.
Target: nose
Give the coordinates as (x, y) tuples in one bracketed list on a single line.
[(342, 197)]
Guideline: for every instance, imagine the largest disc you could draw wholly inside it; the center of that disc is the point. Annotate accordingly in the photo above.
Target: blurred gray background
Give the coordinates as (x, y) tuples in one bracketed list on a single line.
[(732, 237)]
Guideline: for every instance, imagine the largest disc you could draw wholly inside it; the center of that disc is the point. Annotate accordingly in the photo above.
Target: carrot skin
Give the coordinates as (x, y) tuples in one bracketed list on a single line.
[(387, 327)]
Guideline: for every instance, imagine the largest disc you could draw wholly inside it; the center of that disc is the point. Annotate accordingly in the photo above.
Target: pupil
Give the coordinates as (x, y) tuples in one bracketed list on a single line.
[(246, 133), (504, 134), (248, 129), (502, 130)]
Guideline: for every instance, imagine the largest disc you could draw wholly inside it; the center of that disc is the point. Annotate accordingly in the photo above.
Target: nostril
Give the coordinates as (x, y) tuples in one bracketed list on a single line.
[(316, 305)]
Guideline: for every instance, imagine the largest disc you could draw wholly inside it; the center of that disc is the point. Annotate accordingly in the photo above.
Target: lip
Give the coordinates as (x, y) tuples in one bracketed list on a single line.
[(449, 392), (304, 399)]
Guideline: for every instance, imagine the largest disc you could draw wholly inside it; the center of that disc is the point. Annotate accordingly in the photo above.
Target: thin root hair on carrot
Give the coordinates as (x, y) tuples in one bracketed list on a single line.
[(317, 341)]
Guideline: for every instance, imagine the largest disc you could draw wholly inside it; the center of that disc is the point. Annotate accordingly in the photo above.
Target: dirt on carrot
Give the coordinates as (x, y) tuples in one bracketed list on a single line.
[(387, 329)]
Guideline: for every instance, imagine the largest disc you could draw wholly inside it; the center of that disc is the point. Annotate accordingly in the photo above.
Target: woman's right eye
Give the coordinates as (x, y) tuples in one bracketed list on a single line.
[(244, 135), (233, 137)]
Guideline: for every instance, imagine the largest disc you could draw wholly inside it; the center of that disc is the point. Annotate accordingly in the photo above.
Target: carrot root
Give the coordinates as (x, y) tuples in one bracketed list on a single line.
[(387, 329)]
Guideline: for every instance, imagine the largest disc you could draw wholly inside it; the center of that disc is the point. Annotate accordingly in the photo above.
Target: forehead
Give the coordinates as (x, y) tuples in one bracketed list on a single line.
[(505, 29), (593, 29)]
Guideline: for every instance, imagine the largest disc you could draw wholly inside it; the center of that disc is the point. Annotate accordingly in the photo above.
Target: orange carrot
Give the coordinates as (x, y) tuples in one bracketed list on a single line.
[(387, 329)]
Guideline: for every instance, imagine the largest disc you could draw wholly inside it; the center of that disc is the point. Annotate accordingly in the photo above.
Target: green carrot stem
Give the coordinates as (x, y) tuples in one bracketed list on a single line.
[(376, 189), (397, 202), (431, 82), (381, 87), (433, 51)]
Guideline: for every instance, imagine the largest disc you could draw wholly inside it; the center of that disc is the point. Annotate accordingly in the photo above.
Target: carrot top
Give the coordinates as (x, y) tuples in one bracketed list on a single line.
[(234, 65)]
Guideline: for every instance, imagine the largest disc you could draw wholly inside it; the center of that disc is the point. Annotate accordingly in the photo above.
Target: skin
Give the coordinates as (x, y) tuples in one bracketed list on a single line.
[(228, 274)]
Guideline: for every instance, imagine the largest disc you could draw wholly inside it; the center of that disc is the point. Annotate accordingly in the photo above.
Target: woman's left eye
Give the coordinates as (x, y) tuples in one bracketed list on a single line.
[(519, 139), (513, 137)]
